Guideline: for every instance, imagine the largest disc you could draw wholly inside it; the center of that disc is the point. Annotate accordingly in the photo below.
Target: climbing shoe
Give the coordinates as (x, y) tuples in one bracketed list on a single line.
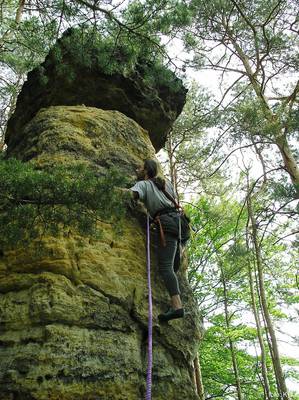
[(171, 314)]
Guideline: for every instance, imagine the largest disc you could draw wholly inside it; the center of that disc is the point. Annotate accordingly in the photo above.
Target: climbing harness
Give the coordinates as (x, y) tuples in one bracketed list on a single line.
[(150, 315), (162, 236), (177, 208)]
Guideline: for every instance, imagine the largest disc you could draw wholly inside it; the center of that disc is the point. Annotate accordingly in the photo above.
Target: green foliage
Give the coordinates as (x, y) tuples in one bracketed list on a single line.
[(253, 47), (194, 142), (219, 253), (282, 191), (87, 48), (31, 41), (36, 202), (158, 15), (216, 363), (251, 118)]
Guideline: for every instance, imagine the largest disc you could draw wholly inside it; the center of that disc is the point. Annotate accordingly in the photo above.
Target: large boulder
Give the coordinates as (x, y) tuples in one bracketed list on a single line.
[(76, 75), (73, 309)]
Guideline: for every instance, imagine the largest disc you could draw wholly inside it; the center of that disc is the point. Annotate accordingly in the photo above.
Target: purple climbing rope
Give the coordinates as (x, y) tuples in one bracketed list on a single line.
[(150, 316)]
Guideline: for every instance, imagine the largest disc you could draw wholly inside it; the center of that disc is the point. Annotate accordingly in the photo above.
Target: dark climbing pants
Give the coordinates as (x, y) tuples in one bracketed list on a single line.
[(168, 262), (169, 256)]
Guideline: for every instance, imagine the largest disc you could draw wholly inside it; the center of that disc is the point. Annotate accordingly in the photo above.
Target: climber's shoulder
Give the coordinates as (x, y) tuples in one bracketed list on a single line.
[(140, 188)]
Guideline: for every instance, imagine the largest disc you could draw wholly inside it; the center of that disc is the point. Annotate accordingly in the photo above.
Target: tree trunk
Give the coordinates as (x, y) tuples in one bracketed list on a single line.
[(172, 168), (20, 9), (280, 380), (231, 344), (198, 379), (290, 164), (267, 391), (7, 35)]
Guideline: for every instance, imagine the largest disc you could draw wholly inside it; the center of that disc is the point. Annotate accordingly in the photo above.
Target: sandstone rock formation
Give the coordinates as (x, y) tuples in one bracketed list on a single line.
[(73, 309), (155, 107)]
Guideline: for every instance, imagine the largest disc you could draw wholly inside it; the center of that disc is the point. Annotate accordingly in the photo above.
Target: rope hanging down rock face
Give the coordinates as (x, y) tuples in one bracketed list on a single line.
[(150, 315)]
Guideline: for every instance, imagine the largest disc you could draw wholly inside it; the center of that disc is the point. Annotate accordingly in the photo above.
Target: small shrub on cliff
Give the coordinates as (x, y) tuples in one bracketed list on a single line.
[(35, 202), (111, 52)]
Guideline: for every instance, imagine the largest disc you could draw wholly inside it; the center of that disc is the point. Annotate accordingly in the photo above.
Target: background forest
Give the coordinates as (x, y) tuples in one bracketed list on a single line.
[(232, 157)]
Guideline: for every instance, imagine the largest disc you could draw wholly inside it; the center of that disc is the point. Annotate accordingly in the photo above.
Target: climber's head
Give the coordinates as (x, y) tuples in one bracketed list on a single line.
[(149, 170)]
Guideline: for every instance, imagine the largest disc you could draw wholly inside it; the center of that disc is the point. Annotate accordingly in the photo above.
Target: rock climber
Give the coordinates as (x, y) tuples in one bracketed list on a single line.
[(160, 201)]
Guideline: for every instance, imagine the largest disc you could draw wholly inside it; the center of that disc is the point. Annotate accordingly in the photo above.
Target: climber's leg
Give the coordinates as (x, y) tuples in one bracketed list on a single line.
[(166, 257), (177, 259), (176, 302)]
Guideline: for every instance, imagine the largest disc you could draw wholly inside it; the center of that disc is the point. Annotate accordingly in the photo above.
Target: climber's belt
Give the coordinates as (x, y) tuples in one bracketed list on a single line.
[(157, 221), (169, 210)]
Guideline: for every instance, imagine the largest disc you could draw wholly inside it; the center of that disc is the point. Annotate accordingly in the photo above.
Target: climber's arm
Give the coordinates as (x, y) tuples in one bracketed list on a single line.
[(135, 195), (139, 190), (132, 193)]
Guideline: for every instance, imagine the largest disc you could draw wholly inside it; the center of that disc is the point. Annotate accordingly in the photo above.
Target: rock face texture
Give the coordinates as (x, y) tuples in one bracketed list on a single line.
[(65, 78), (73, 310)]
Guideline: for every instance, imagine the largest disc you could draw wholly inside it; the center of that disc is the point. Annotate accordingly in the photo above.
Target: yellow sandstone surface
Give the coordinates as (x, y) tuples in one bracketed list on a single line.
[(73, 310)]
